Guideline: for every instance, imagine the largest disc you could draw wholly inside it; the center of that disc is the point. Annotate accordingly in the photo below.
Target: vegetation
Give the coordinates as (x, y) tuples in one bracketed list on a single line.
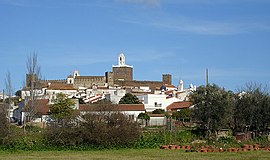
[(144, 117), (159, 111), (214, 109), (129, 154), (33, 84), (252, 111), (61, 108), (182, 115), (3, 123), (129, 99)]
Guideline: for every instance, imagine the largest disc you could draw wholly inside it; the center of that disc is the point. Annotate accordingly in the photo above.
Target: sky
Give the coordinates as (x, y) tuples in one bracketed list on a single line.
[(180, 37)]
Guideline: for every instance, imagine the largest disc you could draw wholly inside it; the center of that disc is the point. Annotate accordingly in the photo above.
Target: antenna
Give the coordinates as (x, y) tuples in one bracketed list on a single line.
[(207, 77)]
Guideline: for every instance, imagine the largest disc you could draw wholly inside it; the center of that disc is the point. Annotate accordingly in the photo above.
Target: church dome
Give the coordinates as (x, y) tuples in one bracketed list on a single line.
[(70, 76)]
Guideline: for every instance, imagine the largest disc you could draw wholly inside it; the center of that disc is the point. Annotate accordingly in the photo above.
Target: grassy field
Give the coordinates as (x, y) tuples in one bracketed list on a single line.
[(126, 154)]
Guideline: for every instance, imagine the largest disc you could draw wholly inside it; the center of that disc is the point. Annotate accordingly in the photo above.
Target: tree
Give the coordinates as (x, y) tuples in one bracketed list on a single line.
[(183, 114), (213, 107), (159, 111), (129, 99), (32, 84), (144, 117), (61, 108), (9, 92), (252, 110)]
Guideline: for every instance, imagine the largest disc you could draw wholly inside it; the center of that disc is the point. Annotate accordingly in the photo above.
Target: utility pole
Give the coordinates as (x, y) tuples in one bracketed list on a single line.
[(207, 80)]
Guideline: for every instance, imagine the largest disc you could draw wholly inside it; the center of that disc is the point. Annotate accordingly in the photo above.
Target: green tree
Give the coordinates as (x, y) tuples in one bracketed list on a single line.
[(129, 99), (183, 114), (144, 117), (62, 108), (252, 110), (158, 111), (213, 107)]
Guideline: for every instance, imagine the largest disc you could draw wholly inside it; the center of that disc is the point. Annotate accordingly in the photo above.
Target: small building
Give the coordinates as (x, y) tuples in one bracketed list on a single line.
[(131, 110)]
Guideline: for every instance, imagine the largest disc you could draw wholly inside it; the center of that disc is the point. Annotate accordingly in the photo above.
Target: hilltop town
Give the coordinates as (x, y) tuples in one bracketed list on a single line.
[(86, 91)]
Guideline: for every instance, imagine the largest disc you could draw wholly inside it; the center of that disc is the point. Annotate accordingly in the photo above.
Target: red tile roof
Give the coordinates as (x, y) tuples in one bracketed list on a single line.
[(179, 105), (57, 86), (170, 86), (111, 107), (41, 106)]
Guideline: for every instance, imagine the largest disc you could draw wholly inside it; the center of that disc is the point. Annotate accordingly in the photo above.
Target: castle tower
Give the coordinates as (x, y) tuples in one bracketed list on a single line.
[(167, 79), (122, 71)]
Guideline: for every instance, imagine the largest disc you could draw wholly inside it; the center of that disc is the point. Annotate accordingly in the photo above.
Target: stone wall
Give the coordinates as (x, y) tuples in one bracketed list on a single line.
[(153, 85), (89, 81), (123, 73)]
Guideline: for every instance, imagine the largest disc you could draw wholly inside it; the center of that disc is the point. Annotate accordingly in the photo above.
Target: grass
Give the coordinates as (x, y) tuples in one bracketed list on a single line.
[(131, 154)]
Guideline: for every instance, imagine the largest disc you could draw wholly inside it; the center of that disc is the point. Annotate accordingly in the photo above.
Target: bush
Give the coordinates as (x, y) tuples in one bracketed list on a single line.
[(113, 130), (63, 136), (110, 130), (3, 124), (158, 111)]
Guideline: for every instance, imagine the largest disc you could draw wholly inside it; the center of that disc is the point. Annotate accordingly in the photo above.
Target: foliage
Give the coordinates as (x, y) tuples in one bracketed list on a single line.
[(129, 99), (61, 107), (63, 136), (153, 139), (144, 117), (252, 110), (182, 114), (104, 101), (213, 107), (3, 123), (158, 111), (109, 130)]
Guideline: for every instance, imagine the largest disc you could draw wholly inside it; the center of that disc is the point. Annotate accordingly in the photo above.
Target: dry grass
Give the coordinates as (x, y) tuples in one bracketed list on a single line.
[(131, 154)]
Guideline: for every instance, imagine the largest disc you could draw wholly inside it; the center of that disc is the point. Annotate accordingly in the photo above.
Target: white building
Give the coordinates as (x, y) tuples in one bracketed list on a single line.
[(156, 101)]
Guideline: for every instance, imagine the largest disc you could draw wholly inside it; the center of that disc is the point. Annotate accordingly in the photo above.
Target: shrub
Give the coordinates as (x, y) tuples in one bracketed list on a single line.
[(110, 130)]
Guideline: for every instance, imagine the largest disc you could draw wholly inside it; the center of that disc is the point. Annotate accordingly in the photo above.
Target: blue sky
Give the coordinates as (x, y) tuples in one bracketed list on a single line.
[(180, 37)]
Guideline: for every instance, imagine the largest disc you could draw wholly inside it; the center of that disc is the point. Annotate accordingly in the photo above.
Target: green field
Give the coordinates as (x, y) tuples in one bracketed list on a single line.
[(135, 154)]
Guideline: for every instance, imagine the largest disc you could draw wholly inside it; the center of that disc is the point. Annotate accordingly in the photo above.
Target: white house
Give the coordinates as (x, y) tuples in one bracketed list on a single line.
[(156, 101), (131, 110)]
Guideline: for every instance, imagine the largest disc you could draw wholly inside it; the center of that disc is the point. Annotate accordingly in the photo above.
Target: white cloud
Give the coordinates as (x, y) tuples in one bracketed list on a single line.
[(195, 26)]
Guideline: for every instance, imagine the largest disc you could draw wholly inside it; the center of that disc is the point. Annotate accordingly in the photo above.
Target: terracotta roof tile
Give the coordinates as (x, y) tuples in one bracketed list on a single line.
[(40, 105), (57, 86), (179, 105), (111, 107)]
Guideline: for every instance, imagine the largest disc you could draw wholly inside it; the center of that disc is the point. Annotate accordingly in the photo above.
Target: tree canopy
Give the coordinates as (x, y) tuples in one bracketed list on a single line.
[(61, 107), (213, 107), (129, 99), (252, 111)]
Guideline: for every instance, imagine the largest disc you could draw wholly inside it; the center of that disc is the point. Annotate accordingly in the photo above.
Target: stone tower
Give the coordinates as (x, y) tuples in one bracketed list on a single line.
[(122, 71), (167, 79)]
